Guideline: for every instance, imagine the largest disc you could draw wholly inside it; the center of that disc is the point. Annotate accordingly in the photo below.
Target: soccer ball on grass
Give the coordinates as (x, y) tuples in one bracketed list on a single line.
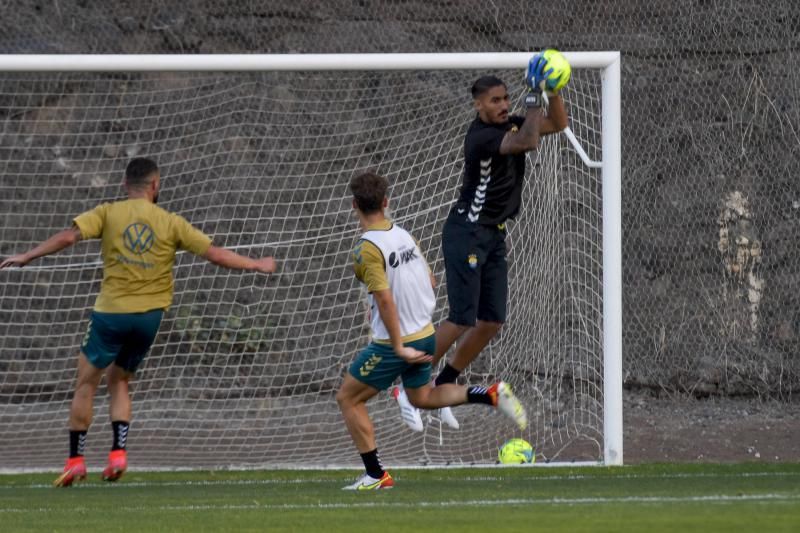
[(515, 452)]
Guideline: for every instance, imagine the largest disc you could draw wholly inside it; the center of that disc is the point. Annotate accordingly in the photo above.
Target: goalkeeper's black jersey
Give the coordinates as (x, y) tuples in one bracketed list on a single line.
[(492, 188)]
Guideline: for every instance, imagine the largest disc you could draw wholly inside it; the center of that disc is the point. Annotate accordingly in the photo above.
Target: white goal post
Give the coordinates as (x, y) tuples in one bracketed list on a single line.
[(241, 331)]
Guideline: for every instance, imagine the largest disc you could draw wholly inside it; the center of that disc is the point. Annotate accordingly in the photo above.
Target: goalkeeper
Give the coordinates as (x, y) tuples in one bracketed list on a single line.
[(474, 234), (388, 260), (138, 243)]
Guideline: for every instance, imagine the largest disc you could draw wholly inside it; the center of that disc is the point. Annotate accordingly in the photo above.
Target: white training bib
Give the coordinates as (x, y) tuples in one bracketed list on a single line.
[(409, 280)]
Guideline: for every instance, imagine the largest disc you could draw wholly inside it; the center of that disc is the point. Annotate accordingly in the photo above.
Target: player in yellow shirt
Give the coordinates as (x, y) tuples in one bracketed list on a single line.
[(139, 242), (388, 260)]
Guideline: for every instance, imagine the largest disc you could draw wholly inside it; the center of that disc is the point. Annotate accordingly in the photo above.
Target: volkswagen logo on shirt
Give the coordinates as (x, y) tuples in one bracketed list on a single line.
[(138, 238)]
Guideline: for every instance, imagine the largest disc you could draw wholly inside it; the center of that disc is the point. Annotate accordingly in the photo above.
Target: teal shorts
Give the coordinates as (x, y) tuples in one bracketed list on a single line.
[(378, 366), (121, 338)]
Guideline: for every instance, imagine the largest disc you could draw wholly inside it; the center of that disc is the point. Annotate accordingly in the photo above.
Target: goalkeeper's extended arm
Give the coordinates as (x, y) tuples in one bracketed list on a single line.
[(556, 119), (537, 78), (527, 138)]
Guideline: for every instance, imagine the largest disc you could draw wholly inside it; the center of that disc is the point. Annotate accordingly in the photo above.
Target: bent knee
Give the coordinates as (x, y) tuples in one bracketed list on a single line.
[(118, 382), (116, 374), (343, 399), (419, 400), (492, 327), (85, 389)]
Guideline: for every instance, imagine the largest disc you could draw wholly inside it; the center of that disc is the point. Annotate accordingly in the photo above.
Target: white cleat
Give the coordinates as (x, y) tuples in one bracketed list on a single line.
[(367, 482), (408, 412), (509, 405), (447, 418)]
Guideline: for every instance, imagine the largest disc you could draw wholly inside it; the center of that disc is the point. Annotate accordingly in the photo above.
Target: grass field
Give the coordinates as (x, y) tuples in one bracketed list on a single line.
[(649, 498)]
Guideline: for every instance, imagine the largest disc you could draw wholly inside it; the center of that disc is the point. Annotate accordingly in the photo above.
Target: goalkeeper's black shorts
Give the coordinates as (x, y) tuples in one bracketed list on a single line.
[(476, 269)]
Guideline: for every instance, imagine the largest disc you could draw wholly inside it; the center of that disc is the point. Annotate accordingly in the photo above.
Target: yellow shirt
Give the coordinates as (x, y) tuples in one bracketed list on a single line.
[(139, 241), (368, 262)]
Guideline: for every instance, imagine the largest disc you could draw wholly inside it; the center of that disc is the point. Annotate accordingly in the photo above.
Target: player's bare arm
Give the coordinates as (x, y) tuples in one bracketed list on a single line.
[(556, 118), (526, 138), (230, 259), (550, 72), (536, 124), (56, 243), (388, 312), (538, 78)]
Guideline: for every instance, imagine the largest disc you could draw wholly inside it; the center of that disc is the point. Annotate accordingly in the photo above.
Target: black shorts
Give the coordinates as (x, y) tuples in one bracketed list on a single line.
[(476, 269)]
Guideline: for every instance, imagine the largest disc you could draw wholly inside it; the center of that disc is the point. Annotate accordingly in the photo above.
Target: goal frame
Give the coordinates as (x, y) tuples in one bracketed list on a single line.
[(607, 62)]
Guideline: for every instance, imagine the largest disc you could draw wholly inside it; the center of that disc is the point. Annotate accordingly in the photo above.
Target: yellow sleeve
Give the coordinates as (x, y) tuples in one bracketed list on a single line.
[(369, 267), (189, 238), (91, 222)]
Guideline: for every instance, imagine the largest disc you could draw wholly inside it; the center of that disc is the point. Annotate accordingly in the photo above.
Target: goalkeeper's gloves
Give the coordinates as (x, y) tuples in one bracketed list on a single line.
[(536, 80)]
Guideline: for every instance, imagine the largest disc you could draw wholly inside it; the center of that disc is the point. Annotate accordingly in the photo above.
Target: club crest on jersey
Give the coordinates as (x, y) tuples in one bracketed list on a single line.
[(357, 252), (472, 261), (402, 257), (514, 128), (138, 238)]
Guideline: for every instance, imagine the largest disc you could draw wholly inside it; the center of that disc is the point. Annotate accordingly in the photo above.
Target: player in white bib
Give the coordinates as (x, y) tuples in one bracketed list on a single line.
[(408, 278), (388, 260)]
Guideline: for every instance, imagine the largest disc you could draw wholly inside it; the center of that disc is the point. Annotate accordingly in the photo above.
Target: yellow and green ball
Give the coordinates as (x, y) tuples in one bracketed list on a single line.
[(562, 71), (516, 451)]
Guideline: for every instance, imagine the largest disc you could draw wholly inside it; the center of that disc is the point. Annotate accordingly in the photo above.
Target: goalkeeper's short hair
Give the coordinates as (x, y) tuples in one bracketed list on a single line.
[(485, 83)]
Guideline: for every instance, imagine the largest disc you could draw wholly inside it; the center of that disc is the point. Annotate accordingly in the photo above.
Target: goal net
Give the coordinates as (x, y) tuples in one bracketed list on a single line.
[(245, 368)]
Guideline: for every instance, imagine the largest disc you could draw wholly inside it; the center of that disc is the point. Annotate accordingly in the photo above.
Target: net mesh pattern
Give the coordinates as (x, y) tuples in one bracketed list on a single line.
[(710, 118), (245, 367)]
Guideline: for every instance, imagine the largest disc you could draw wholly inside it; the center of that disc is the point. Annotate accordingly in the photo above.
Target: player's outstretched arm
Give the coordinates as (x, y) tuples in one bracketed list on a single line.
[(556, 119), (527, 137), (56, 243), (388, 312), (536, 125), (536, 122), (230, 259)]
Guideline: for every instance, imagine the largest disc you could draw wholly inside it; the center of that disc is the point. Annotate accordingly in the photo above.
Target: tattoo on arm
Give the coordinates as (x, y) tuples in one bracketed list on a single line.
[(526, 138)]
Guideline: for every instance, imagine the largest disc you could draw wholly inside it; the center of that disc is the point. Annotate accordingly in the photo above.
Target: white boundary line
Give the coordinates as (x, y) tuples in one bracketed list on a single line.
[(477, 479), (331, 468), (711, 498)]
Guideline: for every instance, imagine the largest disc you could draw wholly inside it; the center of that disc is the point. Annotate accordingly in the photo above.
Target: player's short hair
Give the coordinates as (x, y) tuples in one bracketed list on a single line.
[(485, 83), (369, 190), (139, 172)]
